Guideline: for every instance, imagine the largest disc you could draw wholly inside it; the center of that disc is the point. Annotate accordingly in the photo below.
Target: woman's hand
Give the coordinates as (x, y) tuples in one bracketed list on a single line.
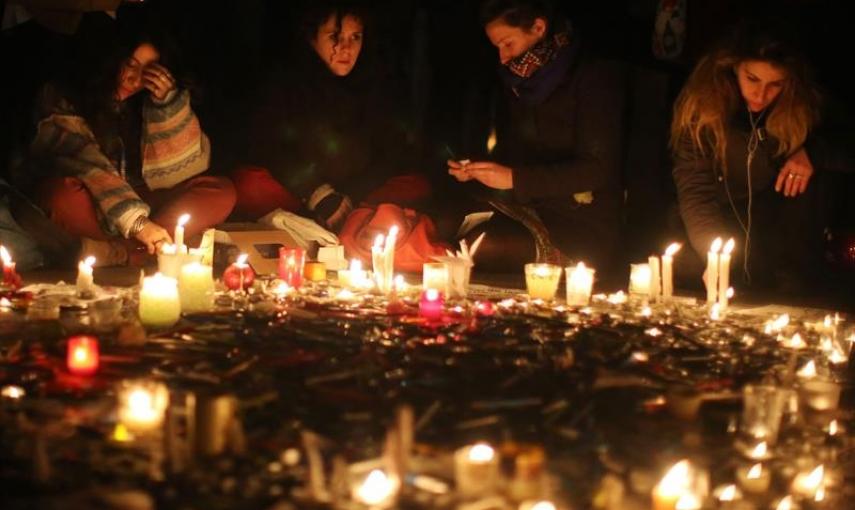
[(492, 175), (158, 80), (152, 236), (795, 174)]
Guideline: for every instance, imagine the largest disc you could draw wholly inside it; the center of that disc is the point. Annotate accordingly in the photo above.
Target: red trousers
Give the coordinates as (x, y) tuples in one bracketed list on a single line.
[(208, 200), (258, 192)]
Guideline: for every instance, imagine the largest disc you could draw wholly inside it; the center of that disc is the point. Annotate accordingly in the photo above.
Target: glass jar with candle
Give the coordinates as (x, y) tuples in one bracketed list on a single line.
[(435, 276), (142, 404), (763, 408), (476, 470), (542, 280), (640, 278)]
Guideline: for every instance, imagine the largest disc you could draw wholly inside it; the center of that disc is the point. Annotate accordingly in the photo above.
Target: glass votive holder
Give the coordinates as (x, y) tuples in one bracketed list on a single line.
[(476, 470), (639, 279), (580, 283), (106, 313), (541, 280), (291, 266), (763, 408), (435, 275), (820, 394)]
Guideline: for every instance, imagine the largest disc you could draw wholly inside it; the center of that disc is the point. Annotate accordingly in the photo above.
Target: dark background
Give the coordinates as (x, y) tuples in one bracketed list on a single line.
[(439, 60)]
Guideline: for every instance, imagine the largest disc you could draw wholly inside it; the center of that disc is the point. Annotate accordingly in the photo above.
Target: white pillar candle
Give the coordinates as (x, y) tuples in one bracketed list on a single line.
[(668, 271), (724, 273), (712, 271), (160, 305), (476, 470), (580, 282), (179, 233), (655, 277), (542, 280), (196, 287), (378, 261), (85, 281), (389, 258), (435, 276), (639, 279)]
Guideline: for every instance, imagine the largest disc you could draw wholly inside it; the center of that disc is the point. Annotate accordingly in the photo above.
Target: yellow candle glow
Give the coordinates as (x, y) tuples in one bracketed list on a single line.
[(673, 485), (142, 405), (724, 272), (807, 484), (668, 270), (808, 371), (542, 280), (639, 279), (754, 479), (85, 281), (580, 282), (435, 276), (476, 470), (378, 490), (196, 287), (537, 505), (712, 270), (179, 233), (160, 305)]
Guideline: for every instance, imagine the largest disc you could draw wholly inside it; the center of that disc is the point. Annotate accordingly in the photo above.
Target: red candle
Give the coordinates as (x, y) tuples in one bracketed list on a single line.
[(291, 262), (239, 276), (82, 357), (431, 304), (10, 277), (485, 308)]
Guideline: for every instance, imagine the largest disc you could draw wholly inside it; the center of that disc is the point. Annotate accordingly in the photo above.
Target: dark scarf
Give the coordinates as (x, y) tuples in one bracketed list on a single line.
[(535, 74)]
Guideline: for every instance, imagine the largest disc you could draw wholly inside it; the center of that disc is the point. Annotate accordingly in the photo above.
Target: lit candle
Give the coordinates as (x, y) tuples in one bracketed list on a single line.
[(291, 263), (760, 451), (668, 271), (537, 505), (655, 277), (724, 300), (239, 276), (12, 392), (378, 260), (389, 259), (179, 233), (820, 394), (639, 279), (353, 277), (808, 371), (82, 355), (485, 308), (673, 485), (754, 479), (580, 282), (160, 305), (435, 276), (378, 490), (431, 304), (10, 277), (724, 273), (807, 484), (142, 405), (315, 271), (476, 470), (712, 270), (196, 287), (688, 501), (85, 281), (727, 493), (542, 280), (785, 503), (715, 312)]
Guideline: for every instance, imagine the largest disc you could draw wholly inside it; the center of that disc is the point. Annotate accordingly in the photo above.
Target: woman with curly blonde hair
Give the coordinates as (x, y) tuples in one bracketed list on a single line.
[(743, 164)]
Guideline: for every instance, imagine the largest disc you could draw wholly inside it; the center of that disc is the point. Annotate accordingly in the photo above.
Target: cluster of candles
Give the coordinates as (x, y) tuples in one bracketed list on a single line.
[(655, 279), (718, 274)]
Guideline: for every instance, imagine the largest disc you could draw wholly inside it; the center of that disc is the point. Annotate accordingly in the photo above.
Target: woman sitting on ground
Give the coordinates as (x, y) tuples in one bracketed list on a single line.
[(119, 152), (326, 136)]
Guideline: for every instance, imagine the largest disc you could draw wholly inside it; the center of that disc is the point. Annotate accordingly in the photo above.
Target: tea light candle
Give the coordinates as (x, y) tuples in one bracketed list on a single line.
[(431, 304), (754, 479), (435, 276), (580, 282), (542, 280), (179, 233), (807, 484), (85, 281), (82, 355), (315, 271), (196, 287), (712, 270), (668, 270), (10, 277), (378, 490), (724, 272), (239, 276), (160, 305), (673, 485), (820, 394), (639, 279), (476, 470), (291, 264), (12, 392), (142, 405)]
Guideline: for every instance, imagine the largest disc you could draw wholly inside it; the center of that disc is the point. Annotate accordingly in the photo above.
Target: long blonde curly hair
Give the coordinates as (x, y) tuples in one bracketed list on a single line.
[(712, 96)]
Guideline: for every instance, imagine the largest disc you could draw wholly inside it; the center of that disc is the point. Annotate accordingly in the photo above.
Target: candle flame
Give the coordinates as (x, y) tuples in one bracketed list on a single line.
[(580, 267), (729, 293), (121, 433), (760, 450), (617, 298), (716, 245), (836, 356), (715, 312), (785, 504), (481, 453), (399, 282), (376, 487), (431, 294), (646, 311), (13, 392), (168, 249), (5, 303), (795, 342), (5, 255), (141, 405), (827, 322), (378, 241), (81, 354), (688, 502), (672, 249), (729, 246), (808, 371), (728, 493), (183, 219), (393, 232), (814, 479), (676, 480), (755, 472), (241, 260), (491, 140), (543, 505), (355, 266), (282, 289), (832, 428), (820, 494), (89, 261)]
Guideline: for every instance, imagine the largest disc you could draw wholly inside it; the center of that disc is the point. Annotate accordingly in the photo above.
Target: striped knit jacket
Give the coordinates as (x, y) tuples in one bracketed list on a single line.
[(174, 149)]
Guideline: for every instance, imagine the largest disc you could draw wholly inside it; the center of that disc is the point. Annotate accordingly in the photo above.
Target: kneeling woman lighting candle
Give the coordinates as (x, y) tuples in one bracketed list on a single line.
[(82, 356), (160, 305)]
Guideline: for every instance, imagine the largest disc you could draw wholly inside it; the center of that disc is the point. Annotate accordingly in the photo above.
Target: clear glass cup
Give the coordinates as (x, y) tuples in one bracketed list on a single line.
[(106, 313), (763, 408), (541, 280)]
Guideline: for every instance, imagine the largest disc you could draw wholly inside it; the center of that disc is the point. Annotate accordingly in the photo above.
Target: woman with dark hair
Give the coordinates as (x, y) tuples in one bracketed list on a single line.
[(558, 127), (119, 152), (743, 160), (326, 136)]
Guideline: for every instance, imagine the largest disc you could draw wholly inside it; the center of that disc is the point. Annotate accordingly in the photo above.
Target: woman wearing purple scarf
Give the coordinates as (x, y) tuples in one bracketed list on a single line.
[(559, 124)]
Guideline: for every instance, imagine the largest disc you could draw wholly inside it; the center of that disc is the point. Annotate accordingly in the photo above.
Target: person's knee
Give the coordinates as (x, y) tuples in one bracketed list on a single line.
[(61, 192)]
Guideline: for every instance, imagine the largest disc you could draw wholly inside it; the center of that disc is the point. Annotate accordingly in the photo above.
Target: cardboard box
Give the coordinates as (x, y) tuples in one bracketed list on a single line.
[(260, 242)]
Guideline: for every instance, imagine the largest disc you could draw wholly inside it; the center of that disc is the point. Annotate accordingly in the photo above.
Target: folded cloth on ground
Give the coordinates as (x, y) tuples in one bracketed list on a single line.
[(303, 230)]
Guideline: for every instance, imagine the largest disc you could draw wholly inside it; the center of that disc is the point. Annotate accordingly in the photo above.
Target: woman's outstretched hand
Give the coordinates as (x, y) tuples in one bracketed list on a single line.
[(152, 236), (158, 80), (492, 175), (795, 174)]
